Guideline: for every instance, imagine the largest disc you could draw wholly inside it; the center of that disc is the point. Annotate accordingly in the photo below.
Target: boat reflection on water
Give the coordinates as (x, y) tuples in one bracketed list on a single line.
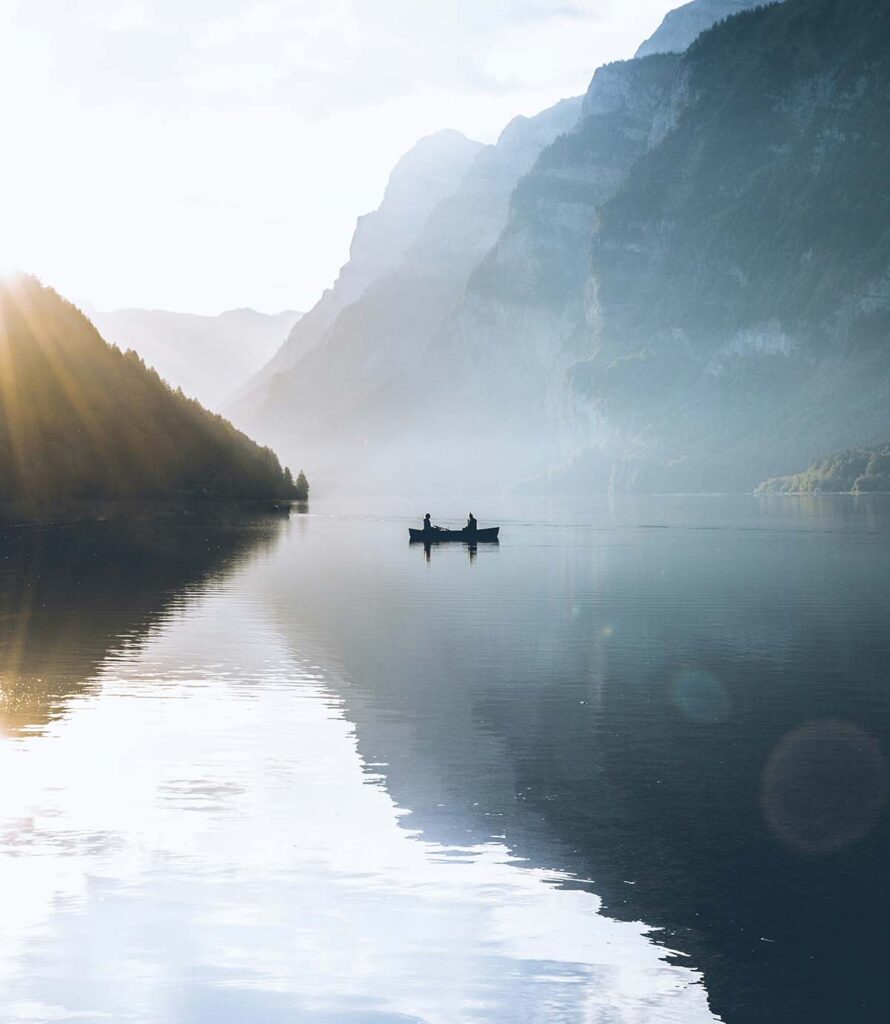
[(471, 547), (470, 538)]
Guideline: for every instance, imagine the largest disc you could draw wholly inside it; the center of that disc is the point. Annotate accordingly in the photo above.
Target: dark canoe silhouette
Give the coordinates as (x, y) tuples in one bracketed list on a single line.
[(436, 536)]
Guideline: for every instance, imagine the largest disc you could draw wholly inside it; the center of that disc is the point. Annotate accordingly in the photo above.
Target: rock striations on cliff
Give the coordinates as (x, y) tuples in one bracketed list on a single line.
[(428, 173), (725, 318), (332, 394), (680, 283), (524, 317), (742, 270)]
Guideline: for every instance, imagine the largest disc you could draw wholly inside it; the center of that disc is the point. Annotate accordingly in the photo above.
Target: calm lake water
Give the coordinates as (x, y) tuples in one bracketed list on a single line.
[(630, 765)]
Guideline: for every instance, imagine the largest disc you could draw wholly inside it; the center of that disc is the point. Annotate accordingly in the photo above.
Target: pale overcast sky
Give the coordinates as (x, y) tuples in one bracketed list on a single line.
[(204, 154)]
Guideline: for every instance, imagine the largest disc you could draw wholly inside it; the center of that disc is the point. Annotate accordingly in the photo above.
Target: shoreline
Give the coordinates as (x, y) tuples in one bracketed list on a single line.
[(70, 513)]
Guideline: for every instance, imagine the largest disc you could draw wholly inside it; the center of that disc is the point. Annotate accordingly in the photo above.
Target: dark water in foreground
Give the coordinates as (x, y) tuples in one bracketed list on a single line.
[(629, 765)]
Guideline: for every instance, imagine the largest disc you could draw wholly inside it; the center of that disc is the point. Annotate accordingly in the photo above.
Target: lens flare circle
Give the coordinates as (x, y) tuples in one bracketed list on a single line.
[(700, 696), (824, 786)]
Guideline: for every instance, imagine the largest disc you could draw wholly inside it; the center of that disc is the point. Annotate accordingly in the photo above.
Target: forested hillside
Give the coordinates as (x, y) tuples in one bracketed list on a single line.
[(685, 24), (83, 420), (854, 471), (209, 357)]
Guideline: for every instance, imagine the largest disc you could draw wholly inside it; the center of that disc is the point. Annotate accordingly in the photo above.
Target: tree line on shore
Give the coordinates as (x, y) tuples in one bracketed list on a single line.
[(82, 420)]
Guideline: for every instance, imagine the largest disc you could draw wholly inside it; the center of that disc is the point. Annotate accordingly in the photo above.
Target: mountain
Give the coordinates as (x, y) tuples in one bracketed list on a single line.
[(854, 471), (687, 290), (742, 270), (522, 320), (682, 26), (385, 332), (691, 293), (471, 340), (209, 357), (83, 420), (425, 175)]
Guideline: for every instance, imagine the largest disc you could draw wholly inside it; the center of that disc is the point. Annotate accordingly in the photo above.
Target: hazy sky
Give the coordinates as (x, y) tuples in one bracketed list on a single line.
[(204, 154)]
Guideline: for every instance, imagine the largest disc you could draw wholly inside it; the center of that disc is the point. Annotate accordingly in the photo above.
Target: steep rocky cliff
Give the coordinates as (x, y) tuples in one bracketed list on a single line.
[(689, 288), (328, 397), (692, 289), (429, 172), (524, 317), (742, 271), (475, 351)]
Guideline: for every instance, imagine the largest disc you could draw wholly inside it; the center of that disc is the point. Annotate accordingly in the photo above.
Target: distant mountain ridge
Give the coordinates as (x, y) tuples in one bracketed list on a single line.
[(682, 26), (426, 174), (387, 329), (687, 290), (209, 357), (84, 421), (522, 321)]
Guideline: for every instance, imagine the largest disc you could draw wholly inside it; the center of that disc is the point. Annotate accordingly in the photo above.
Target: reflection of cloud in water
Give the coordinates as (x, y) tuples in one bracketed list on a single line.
[(302, 893)]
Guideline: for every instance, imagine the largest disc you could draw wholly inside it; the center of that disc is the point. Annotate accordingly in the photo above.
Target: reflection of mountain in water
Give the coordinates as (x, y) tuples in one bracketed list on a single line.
[(70, 597), (635, 707)]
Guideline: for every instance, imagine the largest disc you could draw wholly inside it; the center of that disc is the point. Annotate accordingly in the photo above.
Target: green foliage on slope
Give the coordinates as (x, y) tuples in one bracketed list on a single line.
[(80, 419), (855, 471)]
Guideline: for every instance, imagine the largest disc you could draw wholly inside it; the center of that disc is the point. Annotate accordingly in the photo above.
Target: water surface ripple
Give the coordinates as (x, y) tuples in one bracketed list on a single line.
[(628, 765)]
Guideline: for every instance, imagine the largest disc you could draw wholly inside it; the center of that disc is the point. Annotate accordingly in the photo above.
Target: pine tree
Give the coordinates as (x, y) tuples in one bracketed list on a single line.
[(302, 487)]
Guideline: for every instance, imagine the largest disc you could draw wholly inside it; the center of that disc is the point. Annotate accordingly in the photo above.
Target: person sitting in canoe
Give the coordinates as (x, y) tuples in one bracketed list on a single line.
[(428, 524), (471, 523)]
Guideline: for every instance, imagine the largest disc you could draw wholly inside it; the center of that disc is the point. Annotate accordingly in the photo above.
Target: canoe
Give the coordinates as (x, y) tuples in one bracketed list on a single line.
[(477, 536)]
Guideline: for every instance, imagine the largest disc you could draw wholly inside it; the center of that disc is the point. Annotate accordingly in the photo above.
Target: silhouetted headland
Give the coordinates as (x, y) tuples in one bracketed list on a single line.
[(87, 428)]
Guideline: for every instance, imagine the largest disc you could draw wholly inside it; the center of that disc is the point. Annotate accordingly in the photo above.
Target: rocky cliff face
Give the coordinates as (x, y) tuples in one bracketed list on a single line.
[(331, 394), (681, 27), (525, 315), (741, 271), (692, 289), (424, 176), (471, 340), (688, 288)]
